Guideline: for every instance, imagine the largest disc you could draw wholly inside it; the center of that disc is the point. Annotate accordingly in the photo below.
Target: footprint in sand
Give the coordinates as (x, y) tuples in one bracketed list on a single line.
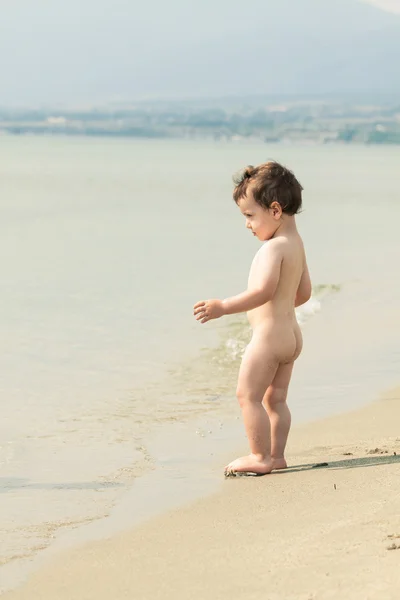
[(377, 451), (394, 546)]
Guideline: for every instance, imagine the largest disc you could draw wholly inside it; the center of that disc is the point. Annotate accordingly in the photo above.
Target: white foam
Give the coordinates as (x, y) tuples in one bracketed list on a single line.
[(308, 310)]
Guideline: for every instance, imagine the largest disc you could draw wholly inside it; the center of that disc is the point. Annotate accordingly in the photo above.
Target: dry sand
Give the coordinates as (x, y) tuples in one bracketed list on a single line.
[(306, 533)]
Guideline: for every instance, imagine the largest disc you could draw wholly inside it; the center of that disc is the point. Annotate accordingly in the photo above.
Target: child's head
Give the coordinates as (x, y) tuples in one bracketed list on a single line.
[(265, 195)]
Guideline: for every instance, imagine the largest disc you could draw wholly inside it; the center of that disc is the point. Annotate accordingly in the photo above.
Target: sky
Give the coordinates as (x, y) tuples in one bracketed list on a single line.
[(94, 51), (389, 5)]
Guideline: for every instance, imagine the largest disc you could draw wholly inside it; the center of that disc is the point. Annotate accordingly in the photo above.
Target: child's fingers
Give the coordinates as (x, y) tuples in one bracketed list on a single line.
[(199, 304), (200, 311)]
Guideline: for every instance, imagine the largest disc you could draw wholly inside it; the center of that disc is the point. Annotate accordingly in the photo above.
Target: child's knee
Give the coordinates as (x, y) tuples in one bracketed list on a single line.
[(245, 396), (240, 395)]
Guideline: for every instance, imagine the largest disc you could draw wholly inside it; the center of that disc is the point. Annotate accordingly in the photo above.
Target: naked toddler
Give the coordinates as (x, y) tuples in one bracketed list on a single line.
[(269, 196)]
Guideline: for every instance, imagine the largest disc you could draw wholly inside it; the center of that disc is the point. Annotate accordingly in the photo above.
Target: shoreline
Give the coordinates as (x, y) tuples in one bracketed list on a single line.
[(214, 433), (279, 142), (335, 440)]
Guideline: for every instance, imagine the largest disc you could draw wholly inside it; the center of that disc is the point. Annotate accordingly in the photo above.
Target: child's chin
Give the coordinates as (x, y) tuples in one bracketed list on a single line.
[(261, 237)]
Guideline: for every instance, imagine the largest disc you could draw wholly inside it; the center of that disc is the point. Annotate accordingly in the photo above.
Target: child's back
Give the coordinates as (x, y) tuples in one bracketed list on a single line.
[(277, 316)]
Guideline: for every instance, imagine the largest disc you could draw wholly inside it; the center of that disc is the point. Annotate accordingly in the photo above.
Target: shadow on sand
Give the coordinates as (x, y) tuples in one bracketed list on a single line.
[(349, 463)]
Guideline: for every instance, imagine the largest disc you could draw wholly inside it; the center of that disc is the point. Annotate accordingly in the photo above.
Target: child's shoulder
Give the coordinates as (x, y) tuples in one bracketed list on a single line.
[(273, 249), (280, 247), (273, 245)]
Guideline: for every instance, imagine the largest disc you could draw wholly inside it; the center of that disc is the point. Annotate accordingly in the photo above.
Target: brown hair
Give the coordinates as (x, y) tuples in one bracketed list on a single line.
[(268, 183)]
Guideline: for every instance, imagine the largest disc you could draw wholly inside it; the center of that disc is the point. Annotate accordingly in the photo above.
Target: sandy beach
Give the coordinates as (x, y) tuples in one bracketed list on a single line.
[(311, 532)]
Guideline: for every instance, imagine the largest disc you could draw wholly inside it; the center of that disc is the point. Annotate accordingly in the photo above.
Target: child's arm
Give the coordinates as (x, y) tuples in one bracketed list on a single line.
[(270, 261), (304, 290)]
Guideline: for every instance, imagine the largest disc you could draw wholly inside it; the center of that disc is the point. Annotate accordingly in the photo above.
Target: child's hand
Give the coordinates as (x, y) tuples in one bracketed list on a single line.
[(208, 309)]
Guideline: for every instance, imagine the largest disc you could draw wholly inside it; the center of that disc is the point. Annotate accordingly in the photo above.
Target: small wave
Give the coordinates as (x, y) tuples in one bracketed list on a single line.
[(308, 310), (313, 306), (325, 288)]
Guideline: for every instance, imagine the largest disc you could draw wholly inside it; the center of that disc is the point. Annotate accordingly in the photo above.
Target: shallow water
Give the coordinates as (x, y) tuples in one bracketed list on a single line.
[(105, 245)]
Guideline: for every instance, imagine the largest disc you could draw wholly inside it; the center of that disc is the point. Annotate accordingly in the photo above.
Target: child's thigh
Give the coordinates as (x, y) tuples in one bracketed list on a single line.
[(277, 391), (257, 370), (283, 376)]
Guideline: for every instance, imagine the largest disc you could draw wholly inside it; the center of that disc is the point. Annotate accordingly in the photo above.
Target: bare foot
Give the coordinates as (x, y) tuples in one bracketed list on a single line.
[(250, 464), (278, 464)]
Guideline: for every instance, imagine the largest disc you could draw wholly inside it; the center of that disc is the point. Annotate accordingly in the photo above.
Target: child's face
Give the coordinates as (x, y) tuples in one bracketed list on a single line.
[(263, 222)]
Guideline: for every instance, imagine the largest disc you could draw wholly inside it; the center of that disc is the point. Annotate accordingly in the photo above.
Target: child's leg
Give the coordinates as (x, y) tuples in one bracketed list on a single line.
[(256, 373), (279, 413)]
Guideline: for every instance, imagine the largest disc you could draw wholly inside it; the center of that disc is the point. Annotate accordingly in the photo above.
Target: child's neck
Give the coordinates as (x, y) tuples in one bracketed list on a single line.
[(286, 226)]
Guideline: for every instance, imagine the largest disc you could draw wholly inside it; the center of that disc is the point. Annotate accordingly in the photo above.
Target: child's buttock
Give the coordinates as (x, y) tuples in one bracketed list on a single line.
[(282, 340)]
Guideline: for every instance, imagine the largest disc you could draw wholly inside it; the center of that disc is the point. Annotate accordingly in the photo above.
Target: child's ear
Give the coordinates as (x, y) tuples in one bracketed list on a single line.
[(276, 210)]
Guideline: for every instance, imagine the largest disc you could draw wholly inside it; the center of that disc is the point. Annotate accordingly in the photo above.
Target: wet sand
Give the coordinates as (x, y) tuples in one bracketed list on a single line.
[(311, 532)]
